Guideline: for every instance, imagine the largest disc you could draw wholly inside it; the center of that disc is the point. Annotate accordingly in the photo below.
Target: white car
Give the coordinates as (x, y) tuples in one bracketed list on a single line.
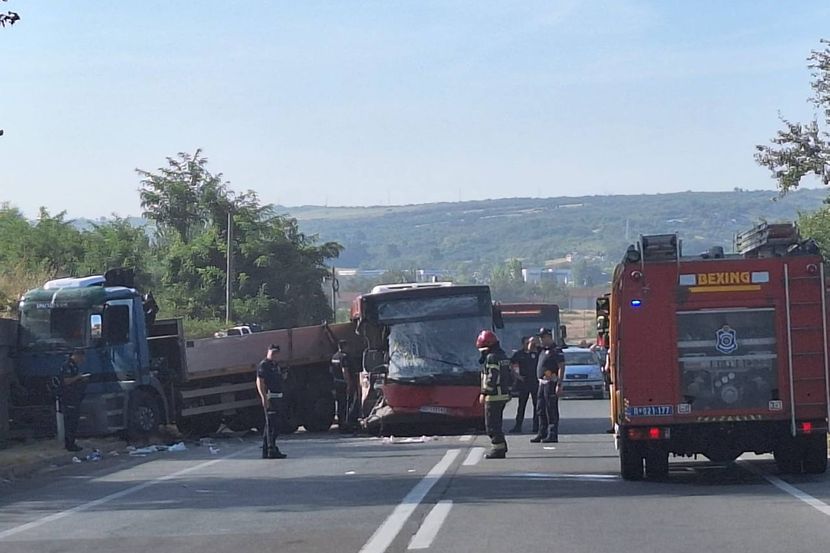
[(583, 374)]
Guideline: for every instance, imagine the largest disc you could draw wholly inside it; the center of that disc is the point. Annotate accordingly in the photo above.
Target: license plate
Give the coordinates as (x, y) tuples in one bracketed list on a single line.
[(649, 411), (435, 410)]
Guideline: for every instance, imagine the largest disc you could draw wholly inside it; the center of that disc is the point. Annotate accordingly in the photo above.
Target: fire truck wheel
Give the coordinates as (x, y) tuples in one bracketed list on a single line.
[(815, 454), (657, 464), (631, 460), (788, 458)]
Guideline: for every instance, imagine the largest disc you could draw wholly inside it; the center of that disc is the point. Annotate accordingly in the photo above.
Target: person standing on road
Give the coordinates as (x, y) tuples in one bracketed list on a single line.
[(495, 380), (340, 366), (550, 371), (71, 394), (270, 388), (524, 364)]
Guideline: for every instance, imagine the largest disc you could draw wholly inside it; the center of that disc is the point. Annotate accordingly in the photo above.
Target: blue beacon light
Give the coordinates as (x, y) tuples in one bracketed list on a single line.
[(636, 303)]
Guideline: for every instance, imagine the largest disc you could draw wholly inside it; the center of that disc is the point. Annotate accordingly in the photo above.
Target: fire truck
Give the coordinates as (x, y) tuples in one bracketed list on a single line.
[(719, 354)]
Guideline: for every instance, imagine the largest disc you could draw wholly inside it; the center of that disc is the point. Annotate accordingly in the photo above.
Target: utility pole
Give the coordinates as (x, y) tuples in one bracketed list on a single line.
[(229, 270), (335, 287)]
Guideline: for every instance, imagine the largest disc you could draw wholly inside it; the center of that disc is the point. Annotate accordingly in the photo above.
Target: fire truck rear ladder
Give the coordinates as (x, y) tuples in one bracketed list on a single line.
[(799, 327)]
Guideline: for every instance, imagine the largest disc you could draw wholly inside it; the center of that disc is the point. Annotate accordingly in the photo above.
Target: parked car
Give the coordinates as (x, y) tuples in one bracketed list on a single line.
[(583, 373), (237, 331)]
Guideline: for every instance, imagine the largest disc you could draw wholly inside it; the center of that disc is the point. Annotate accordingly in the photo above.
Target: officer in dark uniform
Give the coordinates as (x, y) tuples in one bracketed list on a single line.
[(524, 363), (340, 372), (270, 387), (71, 393), (550, 371), (495, 378)]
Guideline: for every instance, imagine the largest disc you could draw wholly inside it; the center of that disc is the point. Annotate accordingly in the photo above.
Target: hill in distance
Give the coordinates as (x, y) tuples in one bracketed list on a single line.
[(447, 235)]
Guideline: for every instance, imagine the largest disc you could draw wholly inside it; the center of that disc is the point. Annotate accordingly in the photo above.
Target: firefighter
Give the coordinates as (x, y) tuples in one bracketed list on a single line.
[(270, 387), (550, 371), (495, 379), (71, 391), (524, 364)]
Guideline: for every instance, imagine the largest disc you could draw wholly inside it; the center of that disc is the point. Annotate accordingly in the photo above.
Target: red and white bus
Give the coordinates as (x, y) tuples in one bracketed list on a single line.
[(420, 365)]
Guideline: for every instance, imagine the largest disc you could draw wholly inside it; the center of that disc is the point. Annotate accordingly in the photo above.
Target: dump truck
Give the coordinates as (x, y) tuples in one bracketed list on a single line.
[(719, 354), (144, 372)]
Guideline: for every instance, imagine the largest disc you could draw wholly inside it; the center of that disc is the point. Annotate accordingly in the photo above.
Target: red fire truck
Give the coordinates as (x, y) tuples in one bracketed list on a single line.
[(719, 354), (420, 366)]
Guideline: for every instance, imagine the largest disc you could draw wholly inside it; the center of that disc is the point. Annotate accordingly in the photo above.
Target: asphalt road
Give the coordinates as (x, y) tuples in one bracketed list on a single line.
[(344, 494)]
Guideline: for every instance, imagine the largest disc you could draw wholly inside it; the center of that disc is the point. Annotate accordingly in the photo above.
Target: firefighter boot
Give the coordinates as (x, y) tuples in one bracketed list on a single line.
[(496, 454)]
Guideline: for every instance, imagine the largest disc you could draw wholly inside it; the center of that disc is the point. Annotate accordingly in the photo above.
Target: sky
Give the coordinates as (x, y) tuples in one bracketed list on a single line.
[(397, 101)]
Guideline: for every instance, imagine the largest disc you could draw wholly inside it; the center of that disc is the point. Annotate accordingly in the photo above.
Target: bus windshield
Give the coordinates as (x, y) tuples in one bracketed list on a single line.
[(52, 328), (439, 347)]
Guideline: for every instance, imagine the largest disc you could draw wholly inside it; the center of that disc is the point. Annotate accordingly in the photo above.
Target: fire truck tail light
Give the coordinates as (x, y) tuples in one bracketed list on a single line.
[(653, 433), (812, 268), (806, 427), (636, 275)]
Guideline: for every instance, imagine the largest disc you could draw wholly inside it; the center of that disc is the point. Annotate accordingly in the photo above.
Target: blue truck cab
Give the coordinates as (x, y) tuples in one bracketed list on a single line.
[(107, 319)]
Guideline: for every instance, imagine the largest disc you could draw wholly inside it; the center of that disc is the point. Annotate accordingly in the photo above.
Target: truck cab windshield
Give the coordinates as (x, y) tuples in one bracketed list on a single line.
[(435, 348), (52, 328)]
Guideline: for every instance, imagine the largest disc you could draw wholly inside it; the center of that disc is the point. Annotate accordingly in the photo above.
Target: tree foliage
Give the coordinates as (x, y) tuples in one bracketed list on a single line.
[(277, 270), (802, 149)]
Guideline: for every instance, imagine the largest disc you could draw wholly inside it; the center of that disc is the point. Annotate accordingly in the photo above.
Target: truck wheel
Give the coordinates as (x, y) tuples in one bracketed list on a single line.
[(145, 414), (321, 416), (815, 454), (787, 458), (631, 461), (657, 464), (199, 426)]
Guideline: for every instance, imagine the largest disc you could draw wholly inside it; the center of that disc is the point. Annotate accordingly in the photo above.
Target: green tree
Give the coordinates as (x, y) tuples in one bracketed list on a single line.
[(801, 149), (278, 270)]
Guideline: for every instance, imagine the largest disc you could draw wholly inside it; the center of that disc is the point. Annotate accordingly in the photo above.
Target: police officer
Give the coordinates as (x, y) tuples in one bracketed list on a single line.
[(270, 387), (341, 372), (524, 363), (495, 376), (71, 393), (550, 371)]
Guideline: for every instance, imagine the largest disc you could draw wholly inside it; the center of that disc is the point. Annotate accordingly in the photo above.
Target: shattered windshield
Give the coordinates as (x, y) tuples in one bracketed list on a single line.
[(435, 347), (52, 328)]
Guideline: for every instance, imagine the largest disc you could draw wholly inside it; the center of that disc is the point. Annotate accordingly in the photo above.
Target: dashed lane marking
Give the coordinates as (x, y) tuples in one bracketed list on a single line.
[(475, 455), (431, 526), (391, 527)]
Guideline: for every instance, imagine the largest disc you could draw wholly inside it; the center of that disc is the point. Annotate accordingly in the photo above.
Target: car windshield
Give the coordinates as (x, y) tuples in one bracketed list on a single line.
[(580, 358), (435, 347), (52, 328)]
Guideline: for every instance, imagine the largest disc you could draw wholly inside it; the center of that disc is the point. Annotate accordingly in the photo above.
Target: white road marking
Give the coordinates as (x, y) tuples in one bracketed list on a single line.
[(475, 455), (816, 504), (563, 476), (386, 533), (466, 438), (432, 524), (117, 495)]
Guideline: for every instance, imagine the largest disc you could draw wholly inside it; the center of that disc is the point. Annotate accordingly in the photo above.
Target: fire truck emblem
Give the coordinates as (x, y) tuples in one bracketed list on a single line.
[(727, 339)]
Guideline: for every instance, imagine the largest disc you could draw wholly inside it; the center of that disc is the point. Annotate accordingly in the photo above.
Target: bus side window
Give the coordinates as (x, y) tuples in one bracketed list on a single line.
[(116, 324)]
